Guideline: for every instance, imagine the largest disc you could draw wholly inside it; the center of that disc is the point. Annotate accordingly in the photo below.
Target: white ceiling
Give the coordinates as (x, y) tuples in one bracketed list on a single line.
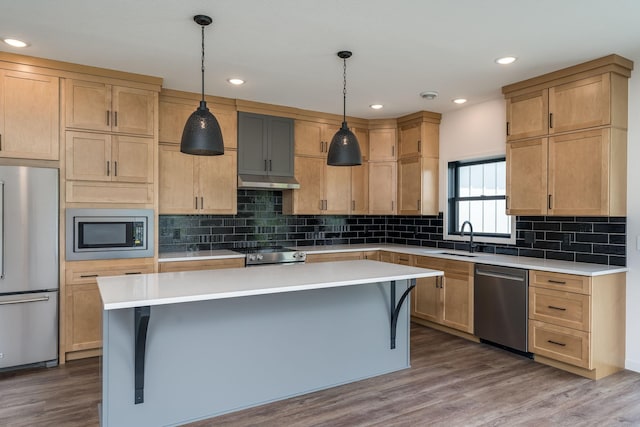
[(286, 49)]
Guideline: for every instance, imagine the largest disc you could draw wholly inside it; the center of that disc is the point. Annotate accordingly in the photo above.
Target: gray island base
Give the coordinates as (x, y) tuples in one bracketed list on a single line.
[(223, 340)]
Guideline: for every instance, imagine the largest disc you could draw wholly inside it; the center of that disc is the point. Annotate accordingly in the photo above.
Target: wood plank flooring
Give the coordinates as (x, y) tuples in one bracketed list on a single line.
[(452, 382)]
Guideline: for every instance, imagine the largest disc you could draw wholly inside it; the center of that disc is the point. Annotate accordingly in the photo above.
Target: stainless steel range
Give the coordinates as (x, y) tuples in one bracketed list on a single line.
[(271, 255)]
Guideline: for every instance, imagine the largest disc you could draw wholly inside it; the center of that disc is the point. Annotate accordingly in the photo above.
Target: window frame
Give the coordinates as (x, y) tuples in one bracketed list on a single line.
[(451, 215)]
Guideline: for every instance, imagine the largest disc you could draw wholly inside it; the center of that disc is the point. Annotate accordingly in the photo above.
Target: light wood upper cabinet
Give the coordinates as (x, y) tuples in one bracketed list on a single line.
[(581, 104), (174, 113), (107, 108), (382, 144), (578, 164), (382, 188), (418, 186), (109, 158), (528, 115), (360, 189), (324, 190), (29, 115), (197, 184), (313, 138), (363, 140), (526, 185), (419, 138)]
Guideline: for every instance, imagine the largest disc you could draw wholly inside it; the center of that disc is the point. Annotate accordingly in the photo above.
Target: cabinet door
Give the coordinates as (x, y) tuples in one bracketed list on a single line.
[(309, 139), (211, 264), (29, 116), (579, 173), (409, 144), (363, 140), (177, 181), (83, 316), (88, 105), (337, 194), (335, 256), (88, 156), (410, 186), (382, 188), (360, 189), (172, 118), (526, 184), (457, 299), (310, 174), (133, 110), (218, 183), (581, 104), (132, 159), (382, 145), (426, 299), (228, 121), (280, 147), (528, 115), (253, 134)]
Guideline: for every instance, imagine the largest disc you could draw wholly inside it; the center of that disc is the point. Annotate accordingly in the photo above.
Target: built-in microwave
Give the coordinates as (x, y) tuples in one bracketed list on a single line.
[(109, 233)]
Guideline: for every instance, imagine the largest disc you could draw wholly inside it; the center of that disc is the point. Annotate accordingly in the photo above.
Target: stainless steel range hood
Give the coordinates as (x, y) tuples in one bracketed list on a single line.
[(269, 182)]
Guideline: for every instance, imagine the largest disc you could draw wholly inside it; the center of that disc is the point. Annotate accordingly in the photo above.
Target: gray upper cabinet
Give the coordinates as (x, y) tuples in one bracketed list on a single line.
[(265, 145)]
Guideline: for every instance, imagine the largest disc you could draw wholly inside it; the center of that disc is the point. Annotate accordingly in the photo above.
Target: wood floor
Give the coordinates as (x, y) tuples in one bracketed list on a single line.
[(452, 382)]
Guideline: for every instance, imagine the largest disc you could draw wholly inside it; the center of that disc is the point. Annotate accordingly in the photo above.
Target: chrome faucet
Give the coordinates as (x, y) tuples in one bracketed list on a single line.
[(471, 244)]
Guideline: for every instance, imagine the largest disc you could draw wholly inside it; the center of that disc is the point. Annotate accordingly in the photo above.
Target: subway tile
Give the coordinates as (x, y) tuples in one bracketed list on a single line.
[(562, 256), (577, 247), (618, 219), (547, 226), (610, 228), (560, 218), (591, 258), (618, 260), (618, 239), (506, 250), (610, 249), (547, 245), (524, 225), (591, 237), (583, 227), (531, 253)]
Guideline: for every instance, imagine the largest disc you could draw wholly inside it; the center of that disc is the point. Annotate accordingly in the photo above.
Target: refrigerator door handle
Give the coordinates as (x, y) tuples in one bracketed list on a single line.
[(1, 229), (25, 300)]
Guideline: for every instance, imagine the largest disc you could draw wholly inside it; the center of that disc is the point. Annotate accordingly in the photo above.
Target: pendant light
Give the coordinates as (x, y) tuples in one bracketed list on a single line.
[(202, 135), (344, 149)]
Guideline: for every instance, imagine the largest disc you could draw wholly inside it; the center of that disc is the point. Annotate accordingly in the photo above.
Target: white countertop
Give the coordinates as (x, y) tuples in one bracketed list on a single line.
[(554, 266), (170, 288), (198, 255)]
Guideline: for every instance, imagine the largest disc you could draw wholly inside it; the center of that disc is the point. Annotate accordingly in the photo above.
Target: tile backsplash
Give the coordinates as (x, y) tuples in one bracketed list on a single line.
[(259, 221)]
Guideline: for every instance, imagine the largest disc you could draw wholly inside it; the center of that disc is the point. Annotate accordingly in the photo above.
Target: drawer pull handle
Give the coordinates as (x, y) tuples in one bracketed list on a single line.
[(556, 343), (556, 308), (86, 276), (133, 272), (559, 282)]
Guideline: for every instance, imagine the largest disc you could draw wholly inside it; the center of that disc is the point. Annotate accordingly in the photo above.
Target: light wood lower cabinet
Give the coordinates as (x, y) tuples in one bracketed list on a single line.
[(209, 264), (335, 256), (577, 323), (447, 301), (83, 306)]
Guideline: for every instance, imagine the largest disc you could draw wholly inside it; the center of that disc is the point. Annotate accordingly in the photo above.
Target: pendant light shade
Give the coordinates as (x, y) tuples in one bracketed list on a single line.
[(202, 135), (344, 149)]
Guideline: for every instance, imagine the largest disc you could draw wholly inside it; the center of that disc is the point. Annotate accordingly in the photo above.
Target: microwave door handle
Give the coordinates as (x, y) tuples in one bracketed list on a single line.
[(1, 229)]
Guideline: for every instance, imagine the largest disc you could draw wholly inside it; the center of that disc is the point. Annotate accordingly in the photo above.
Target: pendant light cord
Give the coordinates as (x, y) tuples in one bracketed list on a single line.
[(344, 91), (202, 63)]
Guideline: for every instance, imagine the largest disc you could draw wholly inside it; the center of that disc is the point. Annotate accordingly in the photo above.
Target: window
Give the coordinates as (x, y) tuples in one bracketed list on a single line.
[(477, 193)]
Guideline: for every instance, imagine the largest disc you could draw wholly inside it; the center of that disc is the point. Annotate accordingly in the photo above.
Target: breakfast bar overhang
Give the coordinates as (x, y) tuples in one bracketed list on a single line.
[(180, 347)]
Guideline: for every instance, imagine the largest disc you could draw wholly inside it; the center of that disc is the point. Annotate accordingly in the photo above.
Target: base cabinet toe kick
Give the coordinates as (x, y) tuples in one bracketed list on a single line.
[(172, 363)]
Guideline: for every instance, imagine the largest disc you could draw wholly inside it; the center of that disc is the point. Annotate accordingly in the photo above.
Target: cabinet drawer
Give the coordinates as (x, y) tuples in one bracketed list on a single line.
[(89, 273), (560, 308), (561, 282), (212, 264), (559, 343)]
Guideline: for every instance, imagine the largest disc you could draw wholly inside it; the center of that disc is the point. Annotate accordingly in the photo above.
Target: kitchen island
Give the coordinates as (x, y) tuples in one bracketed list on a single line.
[(179, 347)]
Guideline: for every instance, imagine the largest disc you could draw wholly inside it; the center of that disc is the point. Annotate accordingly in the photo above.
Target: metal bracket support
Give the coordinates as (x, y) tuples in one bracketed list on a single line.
[(395, 308), (141, 323)]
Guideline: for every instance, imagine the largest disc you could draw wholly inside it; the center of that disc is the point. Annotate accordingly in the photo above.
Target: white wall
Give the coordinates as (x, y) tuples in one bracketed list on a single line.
[(479, 131)]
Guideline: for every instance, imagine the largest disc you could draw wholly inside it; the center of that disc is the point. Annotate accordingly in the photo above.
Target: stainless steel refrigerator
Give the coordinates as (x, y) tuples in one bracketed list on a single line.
[(28, 266)]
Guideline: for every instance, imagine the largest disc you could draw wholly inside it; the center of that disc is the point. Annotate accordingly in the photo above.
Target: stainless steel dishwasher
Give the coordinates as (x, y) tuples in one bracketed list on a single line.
[(501, 303)]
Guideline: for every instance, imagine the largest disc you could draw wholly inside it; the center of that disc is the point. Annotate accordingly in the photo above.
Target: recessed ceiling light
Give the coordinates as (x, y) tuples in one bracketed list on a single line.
[(236, 82), (15, 42), (376, 106), (506, 60), (459, 100)]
